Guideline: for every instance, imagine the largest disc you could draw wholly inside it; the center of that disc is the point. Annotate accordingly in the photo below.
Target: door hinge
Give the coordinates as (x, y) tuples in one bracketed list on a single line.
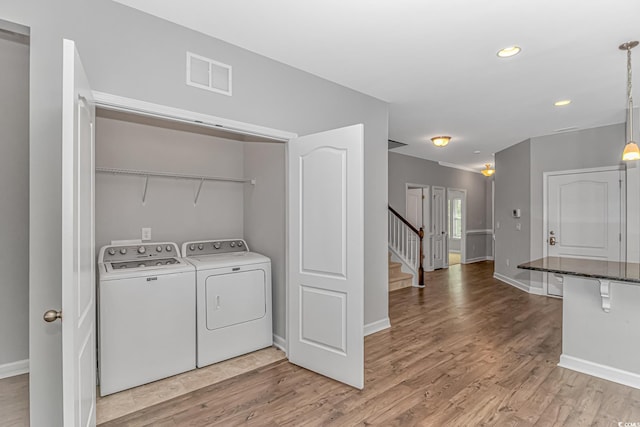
[(619, 237)]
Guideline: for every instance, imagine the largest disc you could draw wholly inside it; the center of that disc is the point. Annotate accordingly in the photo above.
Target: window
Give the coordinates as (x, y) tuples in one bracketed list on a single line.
[(455, 218)]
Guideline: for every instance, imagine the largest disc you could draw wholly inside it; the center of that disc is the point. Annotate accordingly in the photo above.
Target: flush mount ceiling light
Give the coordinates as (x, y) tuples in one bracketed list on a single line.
[(509, 51), (487, 171), (562, 103), (631, 151), (440, 141)]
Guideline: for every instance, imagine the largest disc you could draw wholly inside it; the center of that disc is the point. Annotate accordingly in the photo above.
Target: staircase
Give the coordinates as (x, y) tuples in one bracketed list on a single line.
[(397, 278), (405, 243)]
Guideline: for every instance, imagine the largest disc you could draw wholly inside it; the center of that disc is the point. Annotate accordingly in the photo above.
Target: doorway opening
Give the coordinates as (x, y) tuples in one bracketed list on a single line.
[(14, 223), (456, 226)]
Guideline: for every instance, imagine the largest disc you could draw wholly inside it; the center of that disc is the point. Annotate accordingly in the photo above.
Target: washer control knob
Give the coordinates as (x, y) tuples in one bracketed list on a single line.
[(169, 248), (141, 265), (123, 251), (159, 263), (192, 247), (112, 251), (216, 245), (142, 250), (232, 244), (158, 248), (200, 246), (240, 244)]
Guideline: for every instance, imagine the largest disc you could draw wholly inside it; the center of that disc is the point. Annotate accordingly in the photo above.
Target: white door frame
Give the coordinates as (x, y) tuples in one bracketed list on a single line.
[(427, 262), (463, 238), (545, 209)]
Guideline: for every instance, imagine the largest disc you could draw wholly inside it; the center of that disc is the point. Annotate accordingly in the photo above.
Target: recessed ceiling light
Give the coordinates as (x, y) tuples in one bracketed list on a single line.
[(509, 51), (562, 102), (476, 152)]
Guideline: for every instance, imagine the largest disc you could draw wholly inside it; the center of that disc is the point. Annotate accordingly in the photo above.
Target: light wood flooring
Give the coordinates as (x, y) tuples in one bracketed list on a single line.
[(467, 350)]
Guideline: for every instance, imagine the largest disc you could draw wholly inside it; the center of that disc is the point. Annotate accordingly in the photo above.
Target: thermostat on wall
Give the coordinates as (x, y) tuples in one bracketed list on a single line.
[(516, 213)]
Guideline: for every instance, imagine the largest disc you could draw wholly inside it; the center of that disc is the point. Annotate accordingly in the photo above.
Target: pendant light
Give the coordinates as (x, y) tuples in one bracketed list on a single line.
[(631, 151), (487, 171)]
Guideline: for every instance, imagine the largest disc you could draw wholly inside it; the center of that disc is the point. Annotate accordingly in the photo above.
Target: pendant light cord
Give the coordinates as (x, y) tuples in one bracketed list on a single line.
[(629, 95)]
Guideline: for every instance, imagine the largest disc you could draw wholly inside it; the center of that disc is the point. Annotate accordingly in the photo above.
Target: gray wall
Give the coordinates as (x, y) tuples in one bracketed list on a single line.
[(128, 53), (412, 170), (589, 148), (512, 182), (168, 208), (14, 197), (519, 183), (264, 217)]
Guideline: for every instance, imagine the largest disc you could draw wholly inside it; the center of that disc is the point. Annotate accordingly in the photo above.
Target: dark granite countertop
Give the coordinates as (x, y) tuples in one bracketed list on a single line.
[(619, 271)]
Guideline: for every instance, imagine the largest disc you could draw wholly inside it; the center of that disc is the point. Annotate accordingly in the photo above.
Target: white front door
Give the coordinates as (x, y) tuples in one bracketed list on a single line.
[(439, 228), (326, 254), (78, 260), (583, 218)]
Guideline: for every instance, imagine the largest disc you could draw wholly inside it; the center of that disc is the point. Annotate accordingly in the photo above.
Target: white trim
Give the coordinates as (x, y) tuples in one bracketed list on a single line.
[(377, 326), (454, 166), (597, 370), (130, 105), (517, 284), (480, 231), (479, 259), (14, 368), (280, 343)]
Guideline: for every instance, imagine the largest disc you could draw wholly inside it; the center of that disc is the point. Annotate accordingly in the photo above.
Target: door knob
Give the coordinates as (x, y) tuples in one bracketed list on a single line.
[(52, 315)]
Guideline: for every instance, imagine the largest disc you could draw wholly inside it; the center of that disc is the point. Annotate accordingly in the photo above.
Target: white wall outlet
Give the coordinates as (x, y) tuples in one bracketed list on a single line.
[(146, 233), (497, 224), (507, 262), (518, 226)]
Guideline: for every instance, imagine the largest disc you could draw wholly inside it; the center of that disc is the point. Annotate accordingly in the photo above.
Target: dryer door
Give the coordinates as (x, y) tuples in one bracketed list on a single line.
[(234, 298)]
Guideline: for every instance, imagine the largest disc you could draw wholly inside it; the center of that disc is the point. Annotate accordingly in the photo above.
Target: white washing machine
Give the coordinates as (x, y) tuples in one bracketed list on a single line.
[(146, 315), (233, 299)]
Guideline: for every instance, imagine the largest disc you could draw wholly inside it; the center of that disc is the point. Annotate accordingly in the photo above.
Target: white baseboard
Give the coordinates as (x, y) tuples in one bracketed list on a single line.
[(616, 375), (14, 368), (280, 343), (479, 259), (517, 284), (373, 327)]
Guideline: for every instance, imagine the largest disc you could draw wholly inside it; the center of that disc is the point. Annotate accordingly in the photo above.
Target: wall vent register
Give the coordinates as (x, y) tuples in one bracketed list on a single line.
[(205, 73)]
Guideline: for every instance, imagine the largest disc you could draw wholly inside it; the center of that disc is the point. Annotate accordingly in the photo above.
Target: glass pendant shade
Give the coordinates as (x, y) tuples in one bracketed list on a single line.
[(631, 151), (487, 171)]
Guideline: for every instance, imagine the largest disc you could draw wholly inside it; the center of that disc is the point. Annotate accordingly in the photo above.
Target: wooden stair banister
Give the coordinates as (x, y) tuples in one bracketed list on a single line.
[(404, 246)]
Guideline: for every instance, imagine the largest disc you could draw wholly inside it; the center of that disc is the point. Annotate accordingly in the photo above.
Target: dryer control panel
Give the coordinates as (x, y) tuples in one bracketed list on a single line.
[(211, 247)]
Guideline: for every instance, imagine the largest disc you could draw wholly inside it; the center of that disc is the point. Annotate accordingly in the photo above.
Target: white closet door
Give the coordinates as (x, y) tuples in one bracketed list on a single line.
[(326, 254)]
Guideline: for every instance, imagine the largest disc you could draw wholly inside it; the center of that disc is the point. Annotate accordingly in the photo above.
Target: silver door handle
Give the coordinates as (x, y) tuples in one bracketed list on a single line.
[(52, 316)]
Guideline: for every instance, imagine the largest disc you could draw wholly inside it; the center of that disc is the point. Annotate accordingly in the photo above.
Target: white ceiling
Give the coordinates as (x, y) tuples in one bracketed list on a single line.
[(435, 61)]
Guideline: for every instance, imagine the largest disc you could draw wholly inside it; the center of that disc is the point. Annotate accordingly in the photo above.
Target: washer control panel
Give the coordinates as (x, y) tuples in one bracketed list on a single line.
[(142, 251), (211, 247)]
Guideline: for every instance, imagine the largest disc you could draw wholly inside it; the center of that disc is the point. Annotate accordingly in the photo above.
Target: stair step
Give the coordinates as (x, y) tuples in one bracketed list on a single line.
[(404, 280)]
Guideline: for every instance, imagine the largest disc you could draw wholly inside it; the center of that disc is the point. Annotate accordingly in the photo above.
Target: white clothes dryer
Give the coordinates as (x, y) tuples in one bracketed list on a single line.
[(233, 299), (146, 315)]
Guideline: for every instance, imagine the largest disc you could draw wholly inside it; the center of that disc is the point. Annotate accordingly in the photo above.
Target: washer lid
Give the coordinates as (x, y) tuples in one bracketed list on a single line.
[(226, 260)]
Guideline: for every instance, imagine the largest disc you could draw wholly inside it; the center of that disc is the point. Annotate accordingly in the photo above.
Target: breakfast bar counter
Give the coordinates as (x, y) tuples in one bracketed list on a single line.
[(600, 316)]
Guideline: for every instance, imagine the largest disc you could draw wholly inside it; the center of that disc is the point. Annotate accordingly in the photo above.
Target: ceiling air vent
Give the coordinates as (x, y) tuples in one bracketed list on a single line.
[(208, 74), (395, 144)]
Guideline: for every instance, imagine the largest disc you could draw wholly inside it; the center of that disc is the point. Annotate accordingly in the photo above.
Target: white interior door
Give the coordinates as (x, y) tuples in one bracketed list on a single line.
[(414, 207), (584, 218), (439, 227), (326, 254), (78, 260)]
